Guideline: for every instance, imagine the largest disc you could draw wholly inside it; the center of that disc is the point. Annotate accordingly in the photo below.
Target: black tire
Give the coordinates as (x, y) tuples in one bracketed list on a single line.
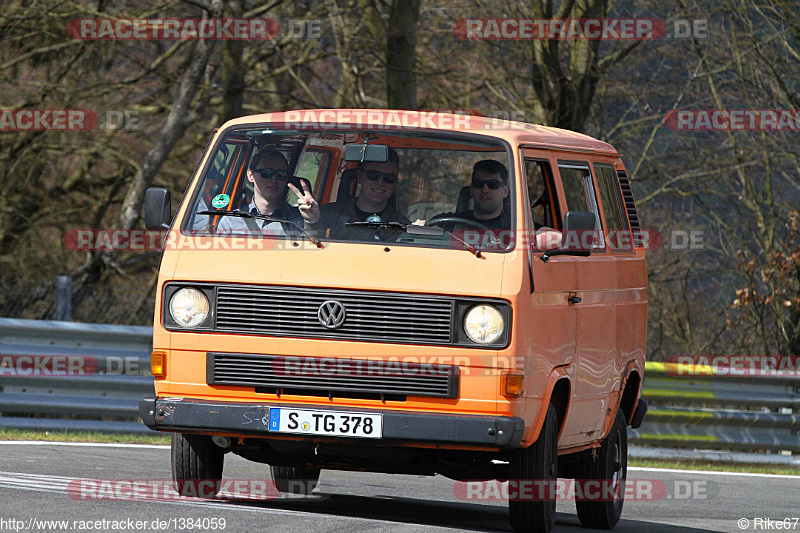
[(295, 479), (196, 465), (537, 462), (610, 467)]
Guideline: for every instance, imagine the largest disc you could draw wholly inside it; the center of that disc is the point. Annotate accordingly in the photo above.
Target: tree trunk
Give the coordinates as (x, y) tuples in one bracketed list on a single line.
[(564, 93), (233, 70), (401, 55), (178, 120)]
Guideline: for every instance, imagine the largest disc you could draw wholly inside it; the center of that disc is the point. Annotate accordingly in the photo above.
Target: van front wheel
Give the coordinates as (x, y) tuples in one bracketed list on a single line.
[(536, 467), (602, 480), (196, 465), (295, 479)]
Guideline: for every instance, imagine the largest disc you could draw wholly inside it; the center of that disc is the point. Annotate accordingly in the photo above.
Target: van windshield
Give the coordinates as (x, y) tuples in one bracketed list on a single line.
[(451, 184)]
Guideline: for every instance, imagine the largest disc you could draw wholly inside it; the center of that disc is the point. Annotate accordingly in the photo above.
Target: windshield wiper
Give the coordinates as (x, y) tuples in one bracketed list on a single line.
[(468, 247), (416, 229), (245, 214)]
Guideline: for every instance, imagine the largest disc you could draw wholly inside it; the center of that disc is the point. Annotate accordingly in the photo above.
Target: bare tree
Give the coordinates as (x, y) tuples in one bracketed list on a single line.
[(401, 55)]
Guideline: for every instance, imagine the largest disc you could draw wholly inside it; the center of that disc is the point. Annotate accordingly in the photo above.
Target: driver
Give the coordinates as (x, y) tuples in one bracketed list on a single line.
[(269, 173), (489, 189)]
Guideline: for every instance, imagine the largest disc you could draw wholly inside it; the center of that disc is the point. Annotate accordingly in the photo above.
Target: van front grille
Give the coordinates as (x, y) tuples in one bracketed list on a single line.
[(368, 316), (335, 376)]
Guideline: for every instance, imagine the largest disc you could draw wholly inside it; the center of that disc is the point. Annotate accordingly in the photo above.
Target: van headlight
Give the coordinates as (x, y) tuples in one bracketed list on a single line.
[(188, 307), (483, 324)]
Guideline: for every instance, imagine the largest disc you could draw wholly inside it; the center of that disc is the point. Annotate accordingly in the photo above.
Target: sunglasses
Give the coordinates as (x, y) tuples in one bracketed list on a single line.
[(374, 175), (493, 184), (268, 173)]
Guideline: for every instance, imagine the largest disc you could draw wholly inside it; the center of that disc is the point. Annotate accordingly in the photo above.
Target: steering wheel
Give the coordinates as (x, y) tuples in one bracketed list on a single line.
[(458, 220)]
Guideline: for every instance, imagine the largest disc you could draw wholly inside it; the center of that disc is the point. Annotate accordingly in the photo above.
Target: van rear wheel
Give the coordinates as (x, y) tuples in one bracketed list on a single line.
[(295, 479), (537, 463), (196, 465), (601, 507)]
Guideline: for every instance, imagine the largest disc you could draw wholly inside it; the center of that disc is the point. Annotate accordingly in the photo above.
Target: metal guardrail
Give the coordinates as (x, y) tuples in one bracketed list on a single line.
[(692, 408), (104, 398), (686, 412)]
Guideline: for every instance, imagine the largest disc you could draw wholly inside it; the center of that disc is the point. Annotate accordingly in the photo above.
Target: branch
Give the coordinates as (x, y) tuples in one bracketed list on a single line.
[(177, 122), (37, 51)]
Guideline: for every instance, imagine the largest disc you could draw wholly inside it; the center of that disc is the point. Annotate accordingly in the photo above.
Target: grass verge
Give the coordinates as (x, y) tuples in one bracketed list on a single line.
[(715, 467), (82, 436)]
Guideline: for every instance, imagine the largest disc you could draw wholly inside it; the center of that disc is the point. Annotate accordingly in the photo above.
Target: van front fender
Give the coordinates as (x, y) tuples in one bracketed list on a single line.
[(540, 406)]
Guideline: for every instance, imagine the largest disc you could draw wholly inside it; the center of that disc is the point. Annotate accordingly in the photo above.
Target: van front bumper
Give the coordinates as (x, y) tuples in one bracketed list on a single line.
[(198, 416)]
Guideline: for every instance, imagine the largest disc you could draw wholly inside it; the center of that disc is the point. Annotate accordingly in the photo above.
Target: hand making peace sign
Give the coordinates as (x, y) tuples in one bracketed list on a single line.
[(308, 206)]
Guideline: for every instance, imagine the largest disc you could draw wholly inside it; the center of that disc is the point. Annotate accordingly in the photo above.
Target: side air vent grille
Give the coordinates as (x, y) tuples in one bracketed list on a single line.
[(630, 207)]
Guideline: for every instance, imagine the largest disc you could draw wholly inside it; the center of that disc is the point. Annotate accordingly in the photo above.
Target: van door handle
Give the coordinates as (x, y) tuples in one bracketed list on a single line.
[(574, 299)]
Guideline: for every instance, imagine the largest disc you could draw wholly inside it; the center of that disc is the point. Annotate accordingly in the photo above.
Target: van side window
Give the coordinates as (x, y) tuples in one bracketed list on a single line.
[(218, 179), (544, 208), (616, 225), (576, 178), (313, 166)]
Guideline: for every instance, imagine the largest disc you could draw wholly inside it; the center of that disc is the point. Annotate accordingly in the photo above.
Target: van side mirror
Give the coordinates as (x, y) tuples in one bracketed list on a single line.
[(157, 208), (578, 237)]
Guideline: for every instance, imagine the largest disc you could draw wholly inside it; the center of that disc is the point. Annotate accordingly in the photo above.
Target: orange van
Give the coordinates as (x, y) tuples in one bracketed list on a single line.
[(403, 292)]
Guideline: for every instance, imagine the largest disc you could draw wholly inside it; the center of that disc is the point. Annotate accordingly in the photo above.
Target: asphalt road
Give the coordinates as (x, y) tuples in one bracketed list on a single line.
[(38, 483)]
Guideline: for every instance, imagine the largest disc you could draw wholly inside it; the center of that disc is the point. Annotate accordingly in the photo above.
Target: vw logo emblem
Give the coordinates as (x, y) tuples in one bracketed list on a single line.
[(331, 314)]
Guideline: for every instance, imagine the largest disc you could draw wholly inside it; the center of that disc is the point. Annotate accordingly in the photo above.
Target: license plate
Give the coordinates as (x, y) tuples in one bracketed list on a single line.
[(333, 423)]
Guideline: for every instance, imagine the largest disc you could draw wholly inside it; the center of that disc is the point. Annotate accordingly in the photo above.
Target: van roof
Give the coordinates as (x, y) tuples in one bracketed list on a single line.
[(387, 120)]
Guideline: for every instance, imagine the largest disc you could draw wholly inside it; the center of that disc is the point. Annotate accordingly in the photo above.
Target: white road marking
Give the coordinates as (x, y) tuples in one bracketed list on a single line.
[(59, 485), (86, 444)]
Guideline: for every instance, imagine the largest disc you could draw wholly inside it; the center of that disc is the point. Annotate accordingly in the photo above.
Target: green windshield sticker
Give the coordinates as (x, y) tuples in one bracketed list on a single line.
[(220, 201)]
